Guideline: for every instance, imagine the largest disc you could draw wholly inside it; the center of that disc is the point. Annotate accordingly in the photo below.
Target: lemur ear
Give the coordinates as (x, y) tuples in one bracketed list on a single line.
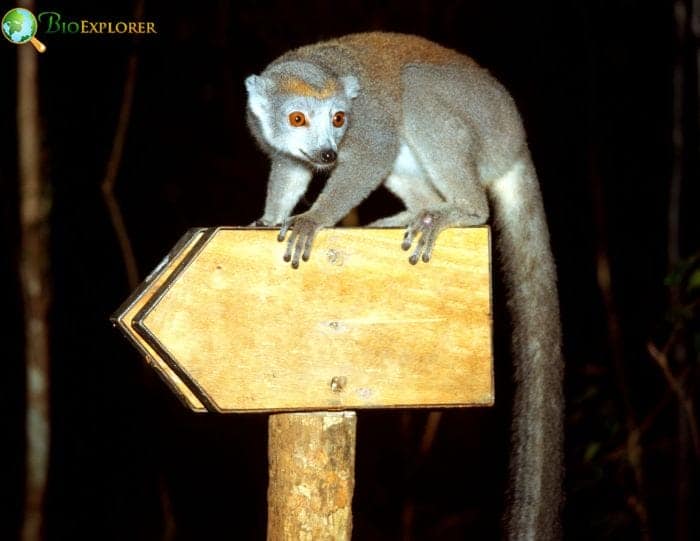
[(351, 86), (258, 88)]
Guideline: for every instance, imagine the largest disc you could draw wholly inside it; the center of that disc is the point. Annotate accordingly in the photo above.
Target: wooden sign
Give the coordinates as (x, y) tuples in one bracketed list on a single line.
[(231, 327)]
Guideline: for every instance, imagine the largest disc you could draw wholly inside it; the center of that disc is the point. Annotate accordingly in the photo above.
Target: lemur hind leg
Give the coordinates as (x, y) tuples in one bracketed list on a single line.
[(441, 139), (410, 184)]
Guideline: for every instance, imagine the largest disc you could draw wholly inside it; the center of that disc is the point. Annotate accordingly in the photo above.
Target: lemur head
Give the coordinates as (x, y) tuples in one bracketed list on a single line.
[(301, 110)]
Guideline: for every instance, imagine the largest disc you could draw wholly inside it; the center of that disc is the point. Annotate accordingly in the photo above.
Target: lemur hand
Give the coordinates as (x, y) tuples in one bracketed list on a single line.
[(304, 230)]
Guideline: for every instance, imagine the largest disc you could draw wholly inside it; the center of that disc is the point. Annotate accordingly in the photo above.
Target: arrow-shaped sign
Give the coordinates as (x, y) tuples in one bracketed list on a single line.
[(231, 327)]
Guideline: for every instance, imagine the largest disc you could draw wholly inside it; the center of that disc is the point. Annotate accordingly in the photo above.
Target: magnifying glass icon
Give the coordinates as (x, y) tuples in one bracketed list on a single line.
[(19, 26)]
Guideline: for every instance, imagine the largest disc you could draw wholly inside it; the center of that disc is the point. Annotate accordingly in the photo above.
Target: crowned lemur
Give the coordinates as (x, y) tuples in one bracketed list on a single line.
[(445, 137)]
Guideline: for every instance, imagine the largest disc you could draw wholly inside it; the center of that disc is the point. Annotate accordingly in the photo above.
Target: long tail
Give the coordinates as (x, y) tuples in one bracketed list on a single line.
[(535, 496)]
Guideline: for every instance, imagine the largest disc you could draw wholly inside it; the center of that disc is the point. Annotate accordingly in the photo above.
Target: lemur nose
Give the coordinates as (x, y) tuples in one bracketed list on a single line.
[(329, 155)]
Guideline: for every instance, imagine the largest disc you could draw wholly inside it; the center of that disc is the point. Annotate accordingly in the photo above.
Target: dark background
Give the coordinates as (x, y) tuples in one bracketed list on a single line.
[(593, 80)]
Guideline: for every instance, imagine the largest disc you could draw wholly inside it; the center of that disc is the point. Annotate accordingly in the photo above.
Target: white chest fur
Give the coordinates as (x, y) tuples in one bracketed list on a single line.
[(406, 164)]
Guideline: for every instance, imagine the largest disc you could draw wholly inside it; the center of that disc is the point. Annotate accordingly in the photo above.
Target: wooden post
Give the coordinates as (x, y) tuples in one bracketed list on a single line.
[(232, 328), (312, 466)]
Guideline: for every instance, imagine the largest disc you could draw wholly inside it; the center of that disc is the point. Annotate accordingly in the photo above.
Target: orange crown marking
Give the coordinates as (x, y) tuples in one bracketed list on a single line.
[(302, 88)]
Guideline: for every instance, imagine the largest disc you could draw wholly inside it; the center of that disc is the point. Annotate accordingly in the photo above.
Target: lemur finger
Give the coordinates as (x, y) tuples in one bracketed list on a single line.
[(283, 230), (290, 243), (429, 244), (420, 245), (308, 241), (407, 238), (298, 245)]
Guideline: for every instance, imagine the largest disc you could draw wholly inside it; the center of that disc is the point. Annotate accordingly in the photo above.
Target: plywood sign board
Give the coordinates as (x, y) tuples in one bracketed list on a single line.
[(231, 327)]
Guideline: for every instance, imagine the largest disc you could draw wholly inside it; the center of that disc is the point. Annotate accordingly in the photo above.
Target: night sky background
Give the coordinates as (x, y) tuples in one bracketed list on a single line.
[(593, 81)]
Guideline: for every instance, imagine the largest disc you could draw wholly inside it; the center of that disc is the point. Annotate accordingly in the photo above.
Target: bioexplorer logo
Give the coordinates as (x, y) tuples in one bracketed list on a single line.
[(19, 25)]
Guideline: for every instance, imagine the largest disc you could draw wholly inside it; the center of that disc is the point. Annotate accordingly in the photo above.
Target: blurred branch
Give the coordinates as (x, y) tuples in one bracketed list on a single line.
[(117, 218), (110, 178), (432, 424), (415, 463), (34, 211), (633, 447), (680, 16), (115, 159), (687, 426), (676, 385)]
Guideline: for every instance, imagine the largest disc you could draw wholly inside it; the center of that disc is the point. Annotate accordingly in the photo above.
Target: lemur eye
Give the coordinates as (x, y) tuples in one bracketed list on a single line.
[(297, 119), (339, 119)]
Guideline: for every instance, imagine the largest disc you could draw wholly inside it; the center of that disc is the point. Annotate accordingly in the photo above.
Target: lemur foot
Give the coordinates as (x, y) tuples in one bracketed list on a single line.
[(304, 230), (428, 225)]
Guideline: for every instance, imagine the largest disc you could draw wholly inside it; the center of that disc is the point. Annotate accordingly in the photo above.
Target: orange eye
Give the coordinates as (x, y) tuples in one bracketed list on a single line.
[(339, 119), (297, 119)]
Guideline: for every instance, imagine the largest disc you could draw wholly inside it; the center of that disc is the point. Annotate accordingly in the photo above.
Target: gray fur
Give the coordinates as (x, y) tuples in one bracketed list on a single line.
[(443, 135)]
